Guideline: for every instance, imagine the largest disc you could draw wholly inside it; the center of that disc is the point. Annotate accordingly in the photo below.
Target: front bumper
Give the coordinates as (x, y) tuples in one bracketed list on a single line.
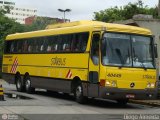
[(116, 93), (159, 89)]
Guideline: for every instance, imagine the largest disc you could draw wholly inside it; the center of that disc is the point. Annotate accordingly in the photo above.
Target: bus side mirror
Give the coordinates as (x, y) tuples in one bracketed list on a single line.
[(155, 51)]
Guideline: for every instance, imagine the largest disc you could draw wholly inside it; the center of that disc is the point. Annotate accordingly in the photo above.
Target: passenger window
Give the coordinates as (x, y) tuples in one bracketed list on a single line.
[(55, 43), (49, 48), (43, 46), (49, 45), (37, 45), (18, 46), (12, 47), (34, 45), (25, 46), (30, 47), (80, 42), (75, 43), (66, 43), (84, 39), (95, 49), (9, 46), (60, 43)]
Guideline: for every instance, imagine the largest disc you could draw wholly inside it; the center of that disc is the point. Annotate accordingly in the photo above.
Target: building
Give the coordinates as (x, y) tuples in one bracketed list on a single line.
[(30, 20), (18, 14), (6, 3)]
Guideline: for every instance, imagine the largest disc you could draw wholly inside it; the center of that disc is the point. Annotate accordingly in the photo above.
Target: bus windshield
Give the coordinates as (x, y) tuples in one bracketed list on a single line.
[(127, 50)]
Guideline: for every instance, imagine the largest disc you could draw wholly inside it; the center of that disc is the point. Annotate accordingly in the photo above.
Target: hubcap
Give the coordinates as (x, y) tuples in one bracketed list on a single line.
[(78, 91), (28, 83), (18, 84)]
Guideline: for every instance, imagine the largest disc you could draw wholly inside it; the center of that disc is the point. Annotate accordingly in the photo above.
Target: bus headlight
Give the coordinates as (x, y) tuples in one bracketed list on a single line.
[(113, 84), (150, 85), (108, 83)]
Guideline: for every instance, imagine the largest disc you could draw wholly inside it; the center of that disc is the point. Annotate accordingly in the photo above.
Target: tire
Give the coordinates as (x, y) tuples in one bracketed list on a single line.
[(78, 94), (19, 84), (123, 101), (28, 87)]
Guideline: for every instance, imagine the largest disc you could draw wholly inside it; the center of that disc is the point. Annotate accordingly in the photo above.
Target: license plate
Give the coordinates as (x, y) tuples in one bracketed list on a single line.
[(130, 96)]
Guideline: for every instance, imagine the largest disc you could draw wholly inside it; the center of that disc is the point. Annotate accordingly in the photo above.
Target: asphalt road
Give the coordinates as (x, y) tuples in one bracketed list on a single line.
[(43, 105)]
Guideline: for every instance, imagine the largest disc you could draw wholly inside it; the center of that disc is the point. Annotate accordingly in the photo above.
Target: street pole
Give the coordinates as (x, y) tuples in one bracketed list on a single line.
[(64, 11), (64, 20)]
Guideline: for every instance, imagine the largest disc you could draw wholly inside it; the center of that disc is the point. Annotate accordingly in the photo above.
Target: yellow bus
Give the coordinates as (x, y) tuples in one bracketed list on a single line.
[(86, 58)]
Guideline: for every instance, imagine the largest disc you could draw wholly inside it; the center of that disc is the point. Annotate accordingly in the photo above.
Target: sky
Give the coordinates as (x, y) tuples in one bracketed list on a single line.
[(80, 9)]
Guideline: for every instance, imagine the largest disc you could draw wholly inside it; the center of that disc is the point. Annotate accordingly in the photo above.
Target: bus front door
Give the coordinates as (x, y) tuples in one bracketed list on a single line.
[(93, 88)]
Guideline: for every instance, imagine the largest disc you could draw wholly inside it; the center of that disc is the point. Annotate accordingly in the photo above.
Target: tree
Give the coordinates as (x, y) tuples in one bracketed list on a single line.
[(40, 23), (7, 26), (124, 12), (5, 9), (10, 26)]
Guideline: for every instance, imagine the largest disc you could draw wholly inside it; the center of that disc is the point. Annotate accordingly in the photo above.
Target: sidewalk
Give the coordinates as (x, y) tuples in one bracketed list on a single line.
[(147, 102)]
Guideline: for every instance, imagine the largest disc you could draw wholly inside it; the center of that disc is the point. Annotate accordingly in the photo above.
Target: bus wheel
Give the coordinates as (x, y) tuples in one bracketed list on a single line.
[(28, 87), (78, 93), (123, 101), (19, 84)]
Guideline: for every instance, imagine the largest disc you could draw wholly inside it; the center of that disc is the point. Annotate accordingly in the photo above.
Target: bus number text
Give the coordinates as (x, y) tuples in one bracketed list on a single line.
[(114, 75)]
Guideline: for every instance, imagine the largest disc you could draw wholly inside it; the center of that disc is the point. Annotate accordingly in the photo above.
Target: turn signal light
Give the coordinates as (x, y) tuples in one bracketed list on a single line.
[(150, 85), (102, 82)]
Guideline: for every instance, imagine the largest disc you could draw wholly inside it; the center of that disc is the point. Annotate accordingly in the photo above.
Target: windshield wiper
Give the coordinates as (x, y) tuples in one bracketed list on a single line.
[(134, 59), (143, 66), (120, 57)]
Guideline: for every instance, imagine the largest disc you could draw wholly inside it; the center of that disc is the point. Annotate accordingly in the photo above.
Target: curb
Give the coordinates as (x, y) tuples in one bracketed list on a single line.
[(155, 103)]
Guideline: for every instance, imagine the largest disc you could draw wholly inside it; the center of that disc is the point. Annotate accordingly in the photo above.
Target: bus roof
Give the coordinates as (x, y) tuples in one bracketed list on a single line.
[(80, 26)]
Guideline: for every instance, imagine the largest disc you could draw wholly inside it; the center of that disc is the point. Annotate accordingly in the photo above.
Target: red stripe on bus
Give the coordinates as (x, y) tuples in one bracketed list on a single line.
[(14, 66), (68, 74)]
